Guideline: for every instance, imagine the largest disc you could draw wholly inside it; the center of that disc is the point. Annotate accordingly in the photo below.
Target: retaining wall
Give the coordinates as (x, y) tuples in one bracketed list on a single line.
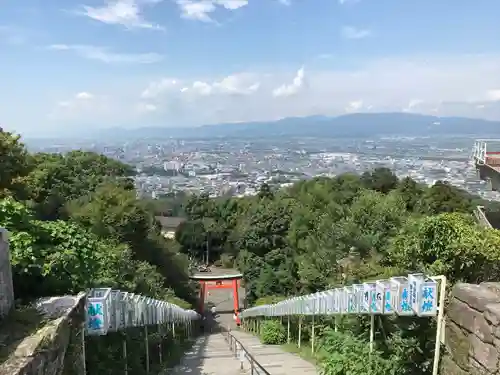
[(56, 348), (472, 333), (6, 287)]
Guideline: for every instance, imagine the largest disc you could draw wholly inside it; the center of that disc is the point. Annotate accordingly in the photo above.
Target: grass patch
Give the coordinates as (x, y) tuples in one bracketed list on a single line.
[(305, 352), (19, 324)]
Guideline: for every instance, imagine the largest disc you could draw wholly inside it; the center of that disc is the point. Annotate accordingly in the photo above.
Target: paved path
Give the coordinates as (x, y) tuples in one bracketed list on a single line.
[(273, 358), (210, 355)]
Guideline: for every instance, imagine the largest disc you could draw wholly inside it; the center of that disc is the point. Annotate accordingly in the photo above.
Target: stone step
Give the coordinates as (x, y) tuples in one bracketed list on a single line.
[(210, 355), (273, 358)]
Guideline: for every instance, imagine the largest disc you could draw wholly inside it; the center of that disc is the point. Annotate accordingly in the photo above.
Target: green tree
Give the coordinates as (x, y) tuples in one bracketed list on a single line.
[(380, 179), (410, 192), (113, 212), (58, 179), (443, 197), (265, 192), (16, 165), (192, 236)]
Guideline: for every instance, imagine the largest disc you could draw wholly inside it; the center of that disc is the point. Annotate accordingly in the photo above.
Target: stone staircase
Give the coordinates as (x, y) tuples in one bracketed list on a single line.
[(210, 355)]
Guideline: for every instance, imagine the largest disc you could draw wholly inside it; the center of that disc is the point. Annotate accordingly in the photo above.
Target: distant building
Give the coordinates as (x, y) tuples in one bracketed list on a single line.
[(172, 166), (169, 225)]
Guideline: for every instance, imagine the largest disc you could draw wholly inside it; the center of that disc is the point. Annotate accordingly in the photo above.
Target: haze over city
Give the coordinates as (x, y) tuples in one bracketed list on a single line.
[(70, 67)]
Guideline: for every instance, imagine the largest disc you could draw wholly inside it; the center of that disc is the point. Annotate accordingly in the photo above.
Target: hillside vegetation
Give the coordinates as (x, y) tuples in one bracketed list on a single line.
[(75, 223), (328, 232)]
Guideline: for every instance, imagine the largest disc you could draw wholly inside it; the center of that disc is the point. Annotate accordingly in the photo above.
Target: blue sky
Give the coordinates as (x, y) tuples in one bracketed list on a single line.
[(71, 66)]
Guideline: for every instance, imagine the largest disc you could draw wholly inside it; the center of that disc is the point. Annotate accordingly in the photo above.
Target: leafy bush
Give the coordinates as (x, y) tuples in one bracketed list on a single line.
[(348, 355), (448, 244), (273, 333)]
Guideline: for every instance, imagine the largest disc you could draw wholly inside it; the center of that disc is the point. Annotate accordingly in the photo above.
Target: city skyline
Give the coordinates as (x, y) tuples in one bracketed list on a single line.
[(72, 66)]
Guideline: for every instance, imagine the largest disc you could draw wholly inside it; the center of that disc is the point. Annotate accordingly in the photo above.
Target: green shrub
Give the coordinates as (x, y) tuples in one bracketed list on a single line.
[(273, 333), (346, 354)]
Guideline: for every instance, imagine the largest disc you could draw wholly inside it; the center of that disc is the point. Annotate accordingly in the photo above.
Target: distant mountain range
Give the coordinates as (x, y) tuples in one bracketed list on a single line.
[(352, 125)]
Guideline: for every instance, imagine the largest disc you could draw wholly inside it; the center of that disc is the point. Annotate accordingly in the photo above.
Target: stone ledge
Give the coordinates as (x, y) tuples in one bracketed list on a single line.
[(476, 296), (43, 352), (473, 330)]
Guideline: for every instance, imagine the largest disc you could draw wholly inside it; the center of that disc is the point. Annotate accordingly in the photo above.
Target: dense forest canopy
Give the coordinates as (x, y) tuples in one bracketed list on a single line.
[(75, 223), (328, 232), (325, 231)]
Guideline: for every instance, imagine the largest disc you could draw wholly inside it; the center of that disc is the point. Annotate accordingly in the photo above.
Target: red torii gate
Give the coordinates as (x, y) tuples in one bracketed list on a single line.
[(208, 282)]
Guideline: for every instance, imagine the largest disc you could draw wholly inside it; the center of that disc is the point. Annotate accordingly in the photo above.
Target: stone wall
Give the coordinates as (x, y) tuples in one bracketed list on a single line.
[(56, 348), (6, 287), (472, 334)]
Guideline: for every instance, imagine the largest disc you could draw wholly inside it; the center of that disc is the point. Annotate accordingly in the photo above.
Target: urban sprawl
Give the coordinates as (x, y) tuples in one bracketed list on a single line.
[(238, 167)]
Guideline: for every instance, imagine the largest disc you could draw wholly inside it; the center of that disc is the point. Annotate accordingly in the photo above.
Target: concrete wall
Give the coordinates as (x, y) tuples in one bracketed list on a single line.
[(6, 287), (472, 334), (481, 217), (487, 173), (493, 219), (55, 349)]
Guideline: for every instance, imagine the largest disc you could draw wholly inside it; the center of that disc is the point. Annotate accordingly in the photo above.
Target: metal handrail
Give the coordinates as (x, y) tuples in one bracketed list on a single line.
[(243, 354), (481, 217)]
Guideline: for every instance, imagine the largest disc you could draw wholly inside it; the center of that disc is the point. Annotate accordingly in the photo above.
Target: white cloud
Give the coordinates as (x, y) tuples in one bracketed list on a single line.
[(80, 104), (105, 55), (293, 88), (200, 88), (200, 10), (350, 32), (157, 88), (493, 95), (285, 2), (236, 84), (127, 13), (354, 106), (196, 10), (413, 105), (84, 95), (345, 2), (78, 99), (462, 85), (231, 4)]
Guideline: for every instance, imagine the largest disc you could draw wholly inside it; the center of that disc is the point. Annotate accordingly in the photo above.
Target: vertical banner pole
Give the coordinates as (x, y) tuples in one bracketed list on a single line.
[(84, 355), (300, 331), (125, 359), (312, 335), (372, 331), (440, 323), (146, 343), (160, 334), (288, 330)]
